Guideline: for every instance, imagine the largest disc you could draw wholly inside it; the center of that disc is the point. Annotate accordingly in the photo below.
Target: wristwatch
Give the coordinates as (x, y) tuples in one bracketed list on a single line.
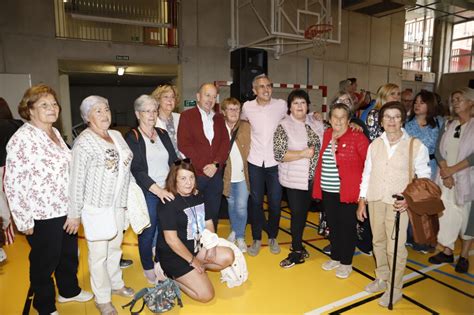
[(216, 164)]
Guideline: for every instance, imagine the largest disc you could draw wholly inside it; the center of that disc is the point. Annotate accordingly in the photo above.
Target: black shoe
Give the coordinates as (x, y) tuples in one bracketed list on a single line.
[(462, 266), (304, 251), (293, 258), (440, 258), (327, 249), (125, 263)]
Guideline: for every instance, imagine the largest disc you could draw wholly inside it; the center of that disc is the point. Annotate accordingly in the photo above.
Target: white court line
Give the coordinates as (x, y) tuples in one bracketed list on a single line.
[(362, 294)]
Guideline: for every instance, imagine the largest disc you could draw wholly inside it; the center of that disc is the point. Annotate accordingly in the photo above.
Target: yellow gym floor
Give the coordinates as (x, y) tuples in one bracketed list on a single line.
[(303, 289)]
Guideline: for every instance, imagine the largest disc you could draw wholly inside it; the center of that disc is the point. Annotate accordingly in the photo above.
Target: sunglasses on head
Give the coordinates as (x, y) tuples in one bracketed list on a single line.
[(180, 161), (457, 131)]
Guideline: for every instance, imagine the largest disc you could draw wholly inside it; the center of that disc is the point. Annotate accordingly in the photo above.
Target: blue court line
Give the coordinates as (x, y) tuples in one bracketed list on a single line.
[(443, 272)]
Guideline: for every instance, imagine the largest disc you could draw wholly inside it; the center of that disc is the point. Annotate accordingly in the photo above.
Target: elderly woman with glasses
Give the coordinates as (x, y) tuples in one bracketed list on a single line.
[(386, 175), (153, 153), (100, 178), (337, 180), (36, 186), (183, 221), (455, 156)]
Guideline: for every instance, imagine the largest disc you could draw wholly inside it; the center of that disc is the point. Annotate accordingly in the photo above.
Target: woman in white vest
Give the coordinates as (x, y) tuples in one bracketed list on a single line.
[(385, 175), (100, 177), (296, 144), (455, 155)]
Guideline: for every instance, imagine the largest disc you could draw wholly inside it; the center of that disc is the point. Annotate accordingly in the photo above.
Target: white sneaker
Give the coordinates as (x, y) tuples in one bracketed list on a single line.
[(3, 255), (343, 271), (54, 313), (83, 296), (376, 286), (150, 276), (241, 245), (231, 237), (330, 265), (385, 299)]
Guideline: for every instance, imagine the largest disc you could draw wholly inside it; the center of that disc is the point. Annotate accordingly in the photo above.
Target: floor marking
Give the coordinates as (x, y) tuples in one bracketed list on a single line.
[(443, 272), (359, 295)]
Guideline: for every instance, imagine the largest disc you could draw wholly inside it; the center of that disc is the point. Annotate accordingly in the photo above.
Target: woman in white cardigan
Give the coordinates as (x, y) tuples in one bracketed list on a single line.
[(100, 179), (167, 97)]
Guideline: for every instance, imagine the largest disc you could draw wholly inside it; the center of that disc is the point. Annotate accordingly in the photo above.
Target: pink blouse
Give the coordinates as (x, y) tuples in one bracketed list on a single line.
[(36, 176)]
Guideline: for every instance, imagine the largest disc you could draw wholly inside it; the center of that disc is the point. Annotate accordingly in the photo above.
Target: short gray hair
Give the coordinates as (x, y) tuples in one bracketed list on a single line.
[(467, 92), (88, 104), (142, 100), (258, 77)]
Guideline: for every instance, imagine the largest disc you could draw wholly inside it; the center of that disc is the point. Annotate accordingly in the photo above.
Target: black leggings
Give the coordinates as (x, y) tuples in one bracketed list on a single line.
[(299, 202), (342, 222)]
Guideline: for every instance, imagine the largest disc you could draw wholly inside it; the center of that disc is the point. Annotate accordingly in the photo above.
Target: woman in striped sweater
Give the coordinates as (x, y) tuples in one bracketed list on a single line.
[(336, 182)]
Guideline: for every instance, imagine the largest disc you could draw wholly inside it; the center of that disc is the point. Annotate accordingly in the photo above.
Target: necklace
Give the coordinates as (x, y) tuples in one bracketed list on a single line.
[(153, 134), (197, 235)]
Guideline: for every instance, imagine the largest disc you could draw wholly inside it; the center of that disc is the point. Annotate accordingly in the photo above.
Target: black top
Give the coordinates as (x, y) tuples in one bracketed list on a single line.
[(187, 216), (8, 127), (139, 167)]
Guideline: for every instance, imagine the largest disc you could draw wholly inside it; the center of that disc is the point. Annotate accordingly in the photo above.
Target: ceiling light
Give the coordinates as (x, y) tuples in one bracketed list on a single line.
[(121, 70)]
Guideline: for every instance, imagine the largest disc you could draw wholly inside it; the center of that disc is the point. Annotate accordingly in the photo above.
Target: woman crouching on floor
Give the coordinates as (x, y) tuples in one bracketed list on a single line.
[(183, 221)]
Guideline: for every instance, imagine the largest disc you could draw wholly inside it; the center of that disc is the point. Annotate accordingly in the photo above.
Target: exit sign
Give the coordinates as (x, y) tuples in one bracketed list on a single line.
[(120, 57)]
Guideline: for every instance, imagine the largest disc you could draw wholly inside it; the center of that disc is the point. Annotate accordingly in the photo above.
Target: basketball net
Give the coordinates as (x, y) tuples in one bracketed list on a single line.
[(318, 34)]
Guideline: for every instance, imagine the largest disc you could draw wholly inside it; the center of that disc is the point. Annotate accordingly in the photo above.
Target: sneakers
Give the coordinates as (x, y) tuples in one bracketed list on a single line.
[(274, 247), (304, 252), (54, 313), (440, 258), (376, 286), (125, 263), (292, 259), (125, 292), (83, 296), (254, 249), (150, 275), (462, 265), (343, 271), (330, 265), (369, 253), (106, 308), (385, 299), (327, 249), (3, 255), (242, 245), (231, 237)]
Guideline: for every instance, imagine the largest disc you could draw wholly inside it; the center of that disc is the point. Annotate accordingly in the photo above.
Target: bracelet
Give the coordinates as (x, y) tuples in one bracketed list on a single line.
[(191, 261)]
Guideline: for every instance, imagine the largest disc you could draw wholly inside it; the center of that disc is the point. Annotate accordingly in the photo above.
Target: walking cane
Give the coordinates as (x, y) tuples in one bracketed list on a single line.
[(395, 250)]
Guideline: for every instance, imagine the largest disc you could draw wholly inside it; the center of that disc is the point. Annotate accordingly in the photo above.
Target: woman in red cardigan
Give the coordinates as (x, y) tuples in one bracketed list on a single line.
[(336, 182)]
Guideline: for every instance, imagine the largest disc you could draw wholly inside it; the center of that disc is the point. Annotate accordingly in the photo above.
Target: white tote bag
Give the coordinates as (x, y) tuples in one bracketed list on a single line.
[(137, 210), (99, 223)]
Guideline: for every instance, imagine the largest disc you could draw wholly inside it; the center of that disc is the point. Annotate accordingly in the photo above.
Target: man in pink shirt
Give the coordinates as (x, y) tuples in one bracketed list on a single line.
[(264, 114)]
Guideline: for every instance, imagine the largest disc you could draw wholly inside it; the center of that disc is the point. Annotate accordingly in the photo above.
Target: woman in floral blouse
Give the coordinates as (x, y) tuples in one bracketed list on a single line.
[(386, 93), (36, 185)]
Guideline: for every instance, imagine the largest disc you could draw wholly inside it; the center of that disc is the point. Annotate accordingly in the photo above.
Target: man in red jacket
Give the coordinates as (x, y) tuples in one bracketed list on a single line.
[(203, 138)]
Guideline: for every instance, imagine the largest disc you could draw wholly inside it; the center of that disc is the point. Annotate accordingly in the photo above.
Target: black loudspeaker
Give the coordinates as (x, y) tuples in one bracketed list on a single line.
[(246, 64)]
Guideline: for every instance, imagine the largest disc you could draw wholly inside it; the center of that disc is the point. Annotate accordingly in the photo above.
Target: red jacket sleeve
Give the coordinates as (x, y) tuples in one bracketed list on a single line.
[(221, 141), (187, 143)]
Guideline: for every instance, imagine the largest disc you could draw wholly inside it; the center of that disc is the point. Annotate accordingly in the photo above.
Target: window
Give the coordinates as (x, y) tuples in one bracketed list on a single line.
[(417, 47), (461, 55)]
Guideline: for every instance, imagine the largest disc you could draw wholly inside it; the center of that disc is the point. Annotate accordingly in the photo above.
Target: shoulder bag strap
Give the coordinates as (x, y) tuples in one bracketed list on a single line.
[(410, 160)]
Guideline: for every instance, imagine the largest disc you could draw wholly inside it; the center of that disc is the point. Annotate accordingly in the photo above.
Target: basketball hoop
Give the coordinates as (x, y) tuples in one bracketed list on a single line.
[(318, 34)]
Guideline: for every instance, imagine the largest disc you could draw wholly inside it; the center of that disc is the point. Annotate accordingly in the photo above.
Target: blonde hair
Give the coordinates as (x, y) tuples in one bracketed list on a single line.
[(160, 90), (229, 101), (383, 92)]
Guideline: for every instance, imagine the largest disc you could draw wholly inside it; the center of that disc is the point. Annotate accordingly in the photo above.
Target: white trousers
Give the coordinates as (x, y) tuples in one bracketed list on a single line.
[(104, 263), (453, 221)]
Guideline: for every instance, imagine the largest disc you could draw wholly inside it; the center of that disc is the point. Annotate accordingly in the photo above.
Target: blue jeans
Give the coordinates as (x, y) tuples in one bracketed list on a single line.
[(237, 200), (211, 188), (259, 177), (146, 238)]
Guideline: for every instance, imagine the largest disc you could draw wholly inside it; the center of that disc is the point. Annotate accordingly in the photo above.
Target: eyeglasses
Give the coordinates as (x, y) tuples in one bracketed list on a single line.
[(395, 118), (457, 132), (181, 161), (154, 111)]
